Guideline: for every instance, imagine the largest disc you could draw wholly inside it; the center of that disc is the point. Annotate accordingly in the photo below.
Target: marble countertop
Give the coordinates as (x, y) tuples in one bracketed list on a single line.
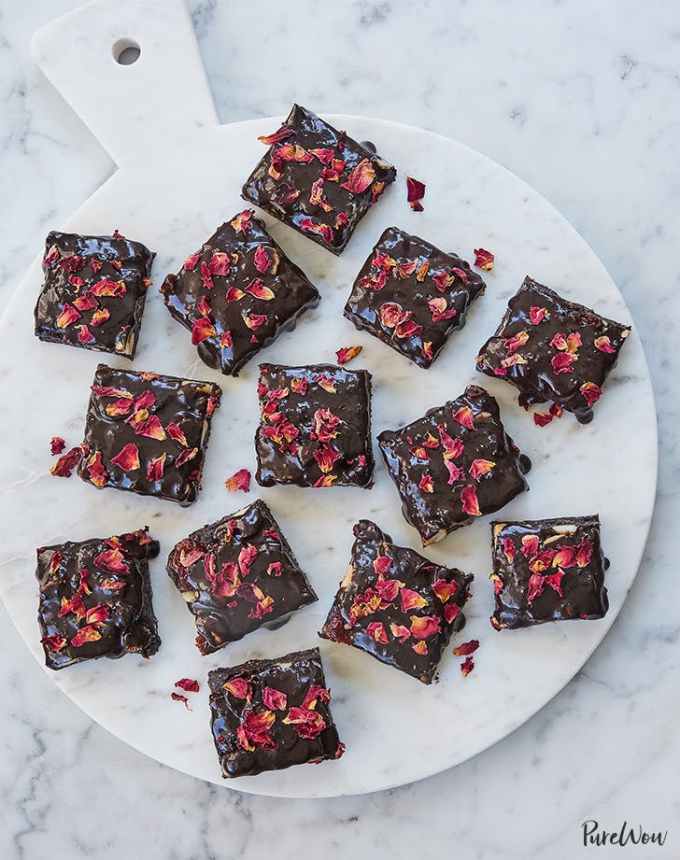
[(579, 99)]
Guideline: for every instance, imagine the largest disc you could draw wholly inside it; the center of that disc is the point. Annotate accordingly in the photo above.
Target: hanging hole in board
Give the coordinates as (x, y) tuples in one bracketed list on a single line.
[(126, 52)]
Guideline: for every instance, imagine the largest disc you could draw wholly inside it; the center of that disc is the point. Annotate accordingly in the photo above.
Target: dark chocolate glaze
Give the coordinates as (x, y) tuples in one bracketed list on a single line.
[(224, 302), (584, 592), (288, 197), (219, 590), (75, 268), (408, 460), (386, 279), (534, 376), (412, 572), (129, 625), (292, 675), (177, 403), (280, 461)]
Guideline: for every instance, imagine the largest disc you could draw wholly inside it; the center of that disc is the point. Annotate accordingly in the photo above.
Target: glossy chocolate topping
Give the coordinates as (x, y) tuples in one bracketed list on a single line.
[(94, 292), (552, 349), (236, 575), (147, 433), (397, 605), (255, 730), (317, 179), (454, 464), (95, 599), (315, 428), (411, 295), (548, 570), (238, 293)]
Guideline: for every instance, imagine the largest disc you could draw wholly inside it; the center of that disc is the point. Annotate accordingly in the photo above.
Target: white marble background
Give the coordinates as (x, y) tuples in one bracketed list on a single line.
[(581, 100)]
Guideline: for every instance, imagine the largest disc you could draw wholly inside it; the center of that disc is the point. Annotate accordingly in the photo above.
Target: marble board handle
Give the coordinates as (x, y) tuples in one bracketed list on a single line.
[(134, 110)]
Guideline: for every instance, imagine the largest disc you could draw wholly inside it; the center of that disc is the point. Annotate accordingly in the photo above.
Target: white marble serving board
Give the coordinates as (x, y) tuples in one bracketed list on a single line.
[(177, 183)]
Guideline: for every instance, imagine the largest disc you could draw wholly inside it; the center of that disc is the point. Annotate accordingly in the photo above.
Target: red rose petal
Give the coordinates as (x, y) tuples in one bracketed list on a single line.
[(467, 666), (127, 458), (426, 484), (175, 432), (360, 177), (382, 565), (57, 445), (107, 287), (155, 468), (444, 589), (68, 316), (283, 133), (466, 648), (451, 612), (65, 465), (537, 315), (178, 697), (591, 392), (411, 599), (219, 264), (239, 481), (376, 630), (239, 688), (201, 330), (415, 191), (484, 259), (424, 626), (346, 353), (469, 503), (478, 468), (274, 700), (400, 632), (604, 344), (465, 417), (258, 291), (189, 685)]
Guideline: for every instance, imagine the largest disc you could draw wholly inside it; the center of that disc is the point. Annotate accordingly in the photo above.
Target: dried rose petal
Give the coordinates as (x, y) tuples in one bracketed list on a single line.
[(107, 287), (564, 557), (57, 445), (466, 648), (315, 694), (563, 362), (469, 503), (219, 264), (178, 697), (376, 630), (254, 321), (465, 417), (68, 316), (192, 261), (88, 633), (382, 565), (65, 465), (175, 432), (273, 699), (54, 643), (327, 383), (554, 580), (239, 688), (415, 191), (411, 599), (408, 328), (346, 353), (85, 303), (444, 589), (512, 344), (309, 225), (360, 177), (242, 221), (484, 260), (156, 467), (234, 294), (388, 589), (201, 330), (246, 557), (451, 611), (591, 392), (424, 626), (420, 648), (400, 631), (127, 458), (189, 685), (478, 468), (467, 666), (239, 481), (392, 314), (308, 724), (258, 290), (455, 472), (97, 614), (426, 484), (604, 344), (508, 548), (99, 317), (111, 559), (326, 457), (537, 315), (95, 469), (536, 584), (530, 545), (284, 132), (292, 152)]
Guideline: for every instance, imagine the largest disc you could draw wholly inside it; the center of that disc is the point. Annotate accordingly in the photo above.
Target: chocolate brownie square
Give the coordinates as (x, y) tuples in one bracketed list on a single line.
[(397, 605), (236, 575), (454, 464), (237, 293), (95, 599), (94, 292), (315, 428), (147, 433), (411, 295), (548, 570), (272, 714), (553, 350), (317, 179)]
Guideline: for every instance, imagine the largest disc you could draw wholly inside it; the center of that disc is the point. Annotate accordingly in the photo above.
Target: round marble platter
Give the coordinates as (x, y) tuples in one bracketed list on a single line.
[(396, 729)]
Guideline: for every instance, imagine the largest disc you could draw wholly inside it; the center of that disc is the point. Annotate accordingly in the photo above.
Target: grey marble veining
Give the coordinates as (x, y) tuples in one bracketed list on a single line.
[(582, 103)]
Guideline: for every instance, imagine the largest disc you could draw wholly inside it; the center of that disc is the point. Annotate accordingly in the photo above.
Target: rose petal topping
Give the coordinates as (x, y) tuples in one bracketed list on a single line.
[(512, 344), (466, 648), (469, 502), (537, 315), (192, 261), (415, 191), (274, 700), (326, 458), (604, 344), (508, 548), (376, 630), (478, 468), (535, 586), (262, 259), (95, 469), (388, 589), (564, 557), (57, 445), (465, 417), (315, 694), (107, 287), (155, 468), (201, 330), (239, 688), (400, 632), (189, 685), (451, 612), (392, 314), (283, 133), (254, 321), (467, 666), (275, 569), (424, 626), (563, 362), (530, 546), (411, 599), (426, 484), (54, 643), (484, 259), (382, 565), (68, 316), (65, 465), (360, 177), (554, 581), (309, 225), (308, 724), (88, 633), (241, 222), (85, 303), (346, 353), (444, 589), (591, 392), (455, 472), (258, 291), (420, 648), (111, 559), (239, 481), (127, 458), (175, 432)]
